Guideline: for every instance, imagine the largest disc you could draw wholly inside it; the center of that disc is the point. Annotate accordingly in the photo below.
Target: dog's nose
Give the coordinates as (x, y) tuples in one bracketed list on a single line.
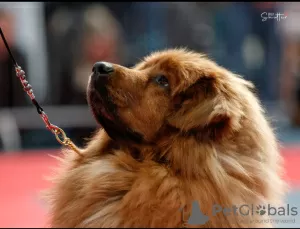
[(103, 68)]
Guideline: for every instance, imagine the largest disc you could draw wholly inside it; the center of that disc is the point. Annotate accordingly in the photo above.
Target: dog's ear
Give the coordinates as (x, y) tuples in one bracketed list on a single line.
[(201, 89), (210, 104)]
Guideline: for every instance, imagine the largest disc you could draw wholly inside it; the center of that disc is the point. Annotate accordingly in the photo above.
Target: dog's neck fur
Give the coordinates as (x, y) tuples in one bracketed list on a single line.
[(190, 160), (174, 154), (213, 167)]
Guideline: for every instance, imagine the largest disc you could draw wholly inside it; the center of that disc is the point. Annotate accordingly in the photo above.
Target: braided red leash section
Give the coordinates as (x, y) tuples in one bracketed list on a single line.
[(58, 132)]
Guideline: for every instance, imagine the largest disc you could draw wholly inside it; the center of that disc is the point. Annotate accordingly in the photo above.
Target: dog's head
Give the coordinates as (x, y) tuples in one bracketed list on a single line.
[(172, 90)]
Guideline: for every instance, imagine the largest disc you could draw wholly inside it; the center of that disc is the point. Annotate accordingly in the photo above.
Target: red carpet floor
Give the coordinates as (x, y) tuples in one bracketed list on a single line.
[(22, 178)]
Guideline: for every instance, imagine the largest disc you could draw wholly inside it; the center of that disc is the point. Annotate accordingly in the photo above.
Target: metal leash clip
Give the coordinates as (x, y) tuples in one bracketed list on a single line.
[(60, 135)]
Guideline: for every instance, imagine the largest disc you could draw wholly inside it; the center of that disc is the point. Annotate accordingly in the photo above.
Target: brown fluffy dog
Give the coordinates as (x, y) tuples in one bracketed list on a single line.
[(177, 128)]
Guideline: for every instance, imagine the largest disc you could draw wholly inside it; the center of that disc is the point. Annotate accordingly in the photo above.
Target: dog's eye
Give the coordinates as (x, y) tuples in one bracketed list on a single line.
[(162, 81)]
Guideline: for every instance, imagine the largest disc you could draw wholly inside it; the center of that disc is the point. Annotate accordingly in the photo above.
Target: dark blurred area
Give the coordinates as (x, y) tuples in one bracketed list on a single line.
[(57, 43)]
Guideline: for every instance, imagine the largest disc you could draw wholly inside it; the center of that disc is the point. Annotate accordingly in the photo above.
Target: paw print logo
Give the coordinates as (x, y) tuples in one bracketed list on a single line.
[(261, 210)]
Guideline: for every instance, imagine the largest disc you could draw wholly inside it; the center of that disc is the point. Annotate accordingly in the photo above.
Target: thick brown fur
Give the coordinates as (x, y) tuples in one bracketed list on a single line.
[(205, 138)]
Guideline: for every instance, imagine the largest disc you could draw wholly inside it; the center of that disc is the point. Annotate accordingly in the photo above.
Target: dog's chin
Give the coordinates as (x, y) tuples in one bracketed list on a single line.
[(98, 100), (105, 113)]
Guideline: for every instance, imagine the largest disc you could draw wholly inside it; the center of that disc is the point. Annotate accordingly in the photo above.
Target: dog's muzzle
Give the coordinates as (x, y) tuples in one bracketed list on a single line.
[(102, 71)]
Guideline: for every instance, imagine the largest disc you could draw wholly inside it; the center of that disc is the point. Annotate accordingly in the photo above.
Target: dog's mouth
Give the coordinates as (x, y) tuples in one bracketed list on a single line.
[(105, 112), (98, 98)]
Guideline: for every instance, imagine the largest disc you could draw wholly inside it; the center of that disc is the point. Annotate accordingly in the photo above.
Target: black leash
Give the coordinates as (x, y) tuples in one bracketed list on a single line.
[(58, 132)]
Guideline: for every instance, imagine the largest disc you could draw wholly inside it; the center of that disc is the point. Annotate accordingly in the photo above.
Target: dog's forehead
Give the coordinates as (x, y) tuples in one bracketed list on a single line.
[(174, 60), (183, 68), (163, 62)]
